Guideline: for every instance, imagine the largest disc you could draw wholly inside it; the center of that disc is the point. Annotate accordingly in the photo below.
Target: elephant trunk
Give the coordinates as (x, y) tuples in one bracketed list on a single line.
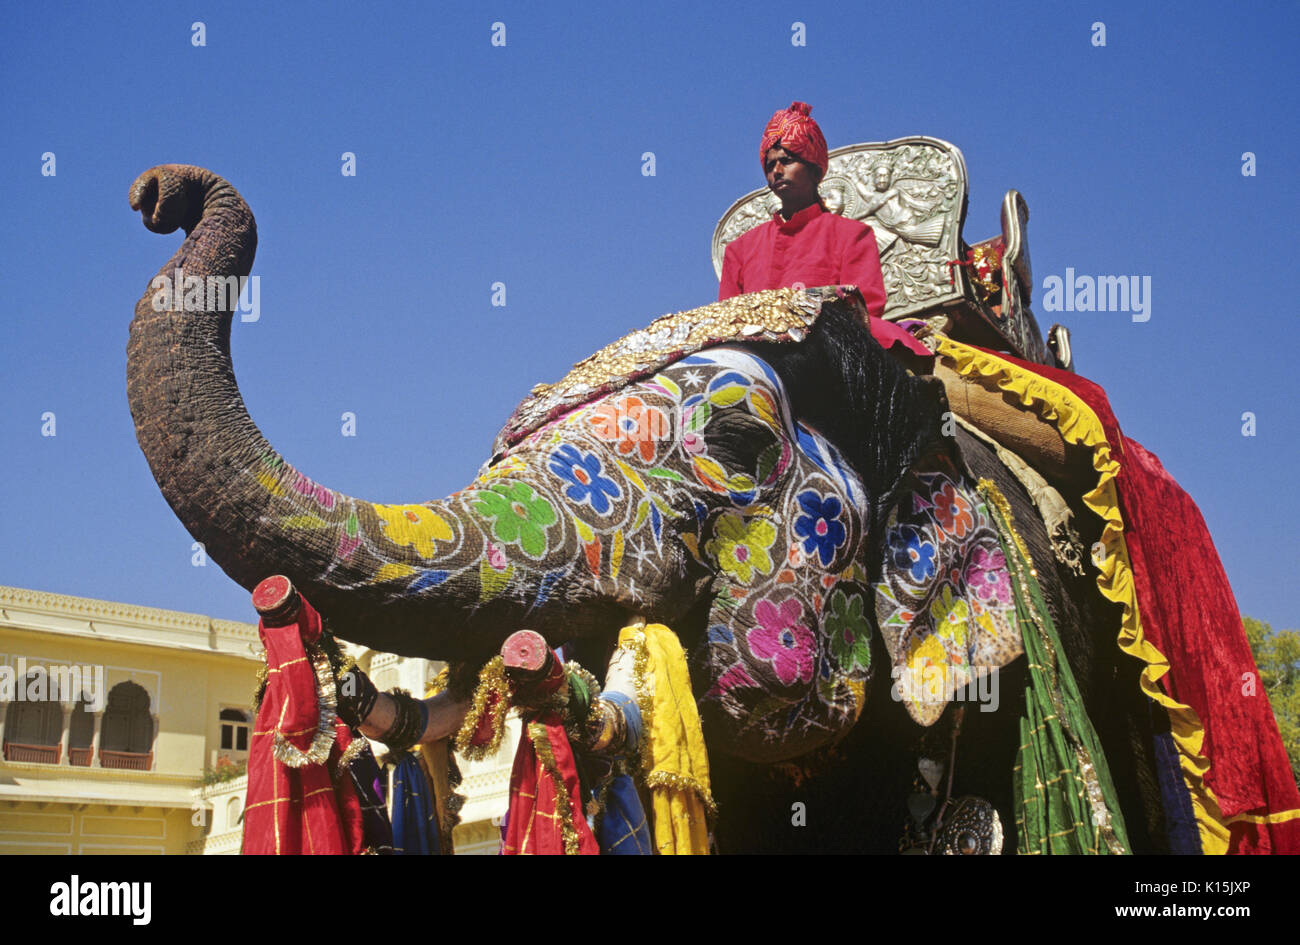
[(394, 577)]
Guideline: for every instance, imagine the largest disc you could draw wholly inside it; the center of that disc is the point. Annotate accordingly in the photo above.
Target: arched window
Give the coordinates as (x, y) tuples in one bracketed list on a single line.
[(234, 730), (34, 726), (232, 813), (127, 725)]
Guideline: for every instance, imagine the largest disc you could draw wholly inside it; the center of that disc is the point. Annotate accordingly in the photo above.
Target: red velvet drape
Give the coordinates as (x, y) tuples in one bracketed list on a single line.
[(1190, 615)]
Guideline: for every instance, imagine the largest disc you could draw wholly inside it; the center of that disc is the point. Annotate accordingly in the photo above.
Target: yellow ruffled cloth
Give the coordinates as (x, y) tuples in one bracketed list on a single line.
[(673, 757)]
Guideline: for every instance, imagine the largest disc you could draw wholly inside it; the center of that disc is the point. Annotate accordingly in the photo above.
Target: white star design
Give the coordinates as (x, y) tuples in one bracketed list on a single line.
[(692, 377), (642, 555), (631, 590)]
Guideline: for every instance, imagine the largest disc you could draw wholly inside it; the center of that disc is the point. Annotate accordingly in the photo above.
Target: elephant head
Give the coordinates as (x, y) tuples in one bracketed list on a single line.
[(735, 491)]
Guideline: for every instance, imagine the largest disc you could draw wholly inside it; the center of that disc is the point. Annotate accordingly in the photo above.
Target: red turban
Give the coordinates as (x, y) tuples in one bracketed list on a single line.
[(797, 133)]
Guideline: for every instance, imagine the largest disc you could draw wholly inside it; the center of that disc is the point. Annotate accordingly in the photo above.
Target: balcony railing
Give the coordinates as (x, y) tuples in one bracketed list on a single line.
[(79, 757), (128, 760), (41, 754)]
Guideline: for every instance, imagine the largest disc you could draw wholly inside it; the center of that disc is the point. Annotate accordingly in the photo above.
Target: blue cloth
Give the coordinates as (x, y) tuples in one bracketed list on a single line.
[(632, 715), (368, 781), (1180, 817), (622, 829), (415, 815)]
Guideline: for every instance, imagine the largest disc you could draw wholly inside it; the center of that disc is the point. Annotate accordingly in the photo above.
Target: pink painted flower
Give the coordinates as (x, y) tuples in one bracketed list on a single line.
[(496, 557), (693, 443), (987, 575), (781, 640)]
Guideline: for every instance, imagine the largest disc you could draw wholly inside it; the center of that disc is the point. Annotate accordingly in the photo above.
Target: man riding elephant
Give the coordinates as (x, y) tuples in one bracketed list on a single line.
[(804, 243)]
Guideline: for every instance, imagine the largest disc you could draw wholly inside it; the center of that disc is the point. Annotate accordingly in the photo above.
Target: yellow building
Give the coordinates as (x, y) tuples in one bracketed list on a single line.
[(110, 713)]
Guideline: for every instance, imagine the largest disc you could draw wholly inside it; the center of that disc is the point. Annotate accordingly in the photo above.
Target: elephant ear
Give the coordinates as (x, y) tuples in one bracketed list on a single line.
[(944, 602)]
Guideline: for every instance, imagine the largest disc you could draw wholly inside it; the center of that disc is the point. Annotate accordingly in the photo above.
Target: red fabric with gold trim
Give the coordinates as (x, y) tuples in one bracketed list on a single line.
[(545, 793), (539, 812), (1190, 615), (797, 133), (297, 810)]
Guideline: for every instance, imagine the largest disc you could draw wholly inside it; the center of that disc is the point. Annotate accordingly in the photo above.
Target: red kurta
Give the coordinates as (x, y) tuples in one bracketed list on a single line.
[(814, 247)]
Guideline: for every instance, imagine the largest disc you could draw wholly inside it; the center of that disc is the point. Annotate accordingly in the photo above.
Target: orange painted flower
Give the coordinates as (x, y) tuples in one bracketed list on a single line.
[(630, 423), (952, 511)]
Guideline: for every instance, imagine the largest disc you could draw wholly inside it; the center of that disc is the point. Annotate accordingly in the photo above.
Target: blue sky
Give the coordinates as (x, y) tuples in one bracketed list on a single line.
[(522, 164)]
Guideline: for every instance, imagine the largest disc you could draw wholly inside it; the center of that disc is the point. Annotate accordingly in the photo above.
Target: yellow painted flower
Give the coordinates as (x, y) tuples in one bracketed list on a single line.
[(741, 547), (950, 614), (413, 526), (925, 675)]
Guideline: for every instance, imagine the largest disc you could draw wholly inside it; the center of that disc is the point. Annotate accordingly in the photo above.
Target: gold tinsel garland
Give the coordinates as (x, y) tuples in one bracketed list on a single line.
[(319, 751), (358, 744), (542, 745), (491, 679), (645, 700)]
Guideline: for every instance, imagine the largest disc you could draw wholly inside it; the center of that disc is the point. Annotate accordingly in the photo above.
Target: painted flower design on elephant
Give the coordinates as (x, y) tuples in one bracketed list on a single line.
[(952, 511), (413, 526), (631, 424), (846, 625), (780, 639), (519, 515), (950, 613), (987, 575), (506, 468), (819, 525), (313, 490), (741, 547), (583, 473), (909, 551)]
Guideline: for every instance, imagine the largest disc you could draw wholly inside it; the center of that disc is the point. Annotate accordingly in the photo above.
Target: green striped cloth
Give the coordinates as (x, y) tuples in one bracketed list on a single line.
[(1065, 800)]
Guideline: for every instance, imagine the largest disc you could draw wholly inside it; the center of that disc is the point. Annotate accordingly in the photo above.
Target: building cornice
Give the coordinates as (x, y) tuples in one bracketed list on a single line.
[(45, 612)]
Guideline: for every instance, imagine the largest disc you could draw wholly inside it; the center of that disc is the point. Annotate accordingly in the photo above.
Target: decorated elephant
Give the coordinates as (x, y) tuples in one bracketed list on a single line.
[(757, 474)]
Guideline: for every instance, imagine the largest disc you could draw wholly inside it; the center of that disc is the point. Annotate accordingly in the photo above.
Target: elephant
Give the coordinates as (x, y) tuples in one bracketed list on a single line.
[(738, 490)]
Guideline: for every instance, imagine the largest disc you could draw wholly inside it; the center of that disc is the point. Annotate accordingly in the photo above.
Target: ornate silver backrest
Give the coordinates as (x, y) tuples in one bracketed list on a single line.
[(1016, 322), (911, 192)]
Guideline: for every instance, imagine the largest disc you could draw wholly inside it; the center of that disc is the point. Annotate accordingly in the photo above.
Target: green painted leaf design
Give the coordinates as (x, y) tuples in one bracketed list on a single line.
[(305, 521), (663, 506), (699, 417), (767, 460)]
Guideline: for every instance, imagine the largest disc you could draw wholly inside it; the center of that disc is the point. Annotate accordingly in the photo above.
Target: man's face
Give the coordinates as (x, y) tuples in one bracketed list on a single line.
[(792, 180), (882, 177)]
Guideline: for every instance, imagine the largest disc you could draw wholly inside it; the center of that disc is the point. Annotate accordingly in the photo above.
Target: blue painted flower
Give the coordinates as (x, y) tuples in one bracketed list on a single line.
[(909, 550), (582, 472), (819, 525)]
